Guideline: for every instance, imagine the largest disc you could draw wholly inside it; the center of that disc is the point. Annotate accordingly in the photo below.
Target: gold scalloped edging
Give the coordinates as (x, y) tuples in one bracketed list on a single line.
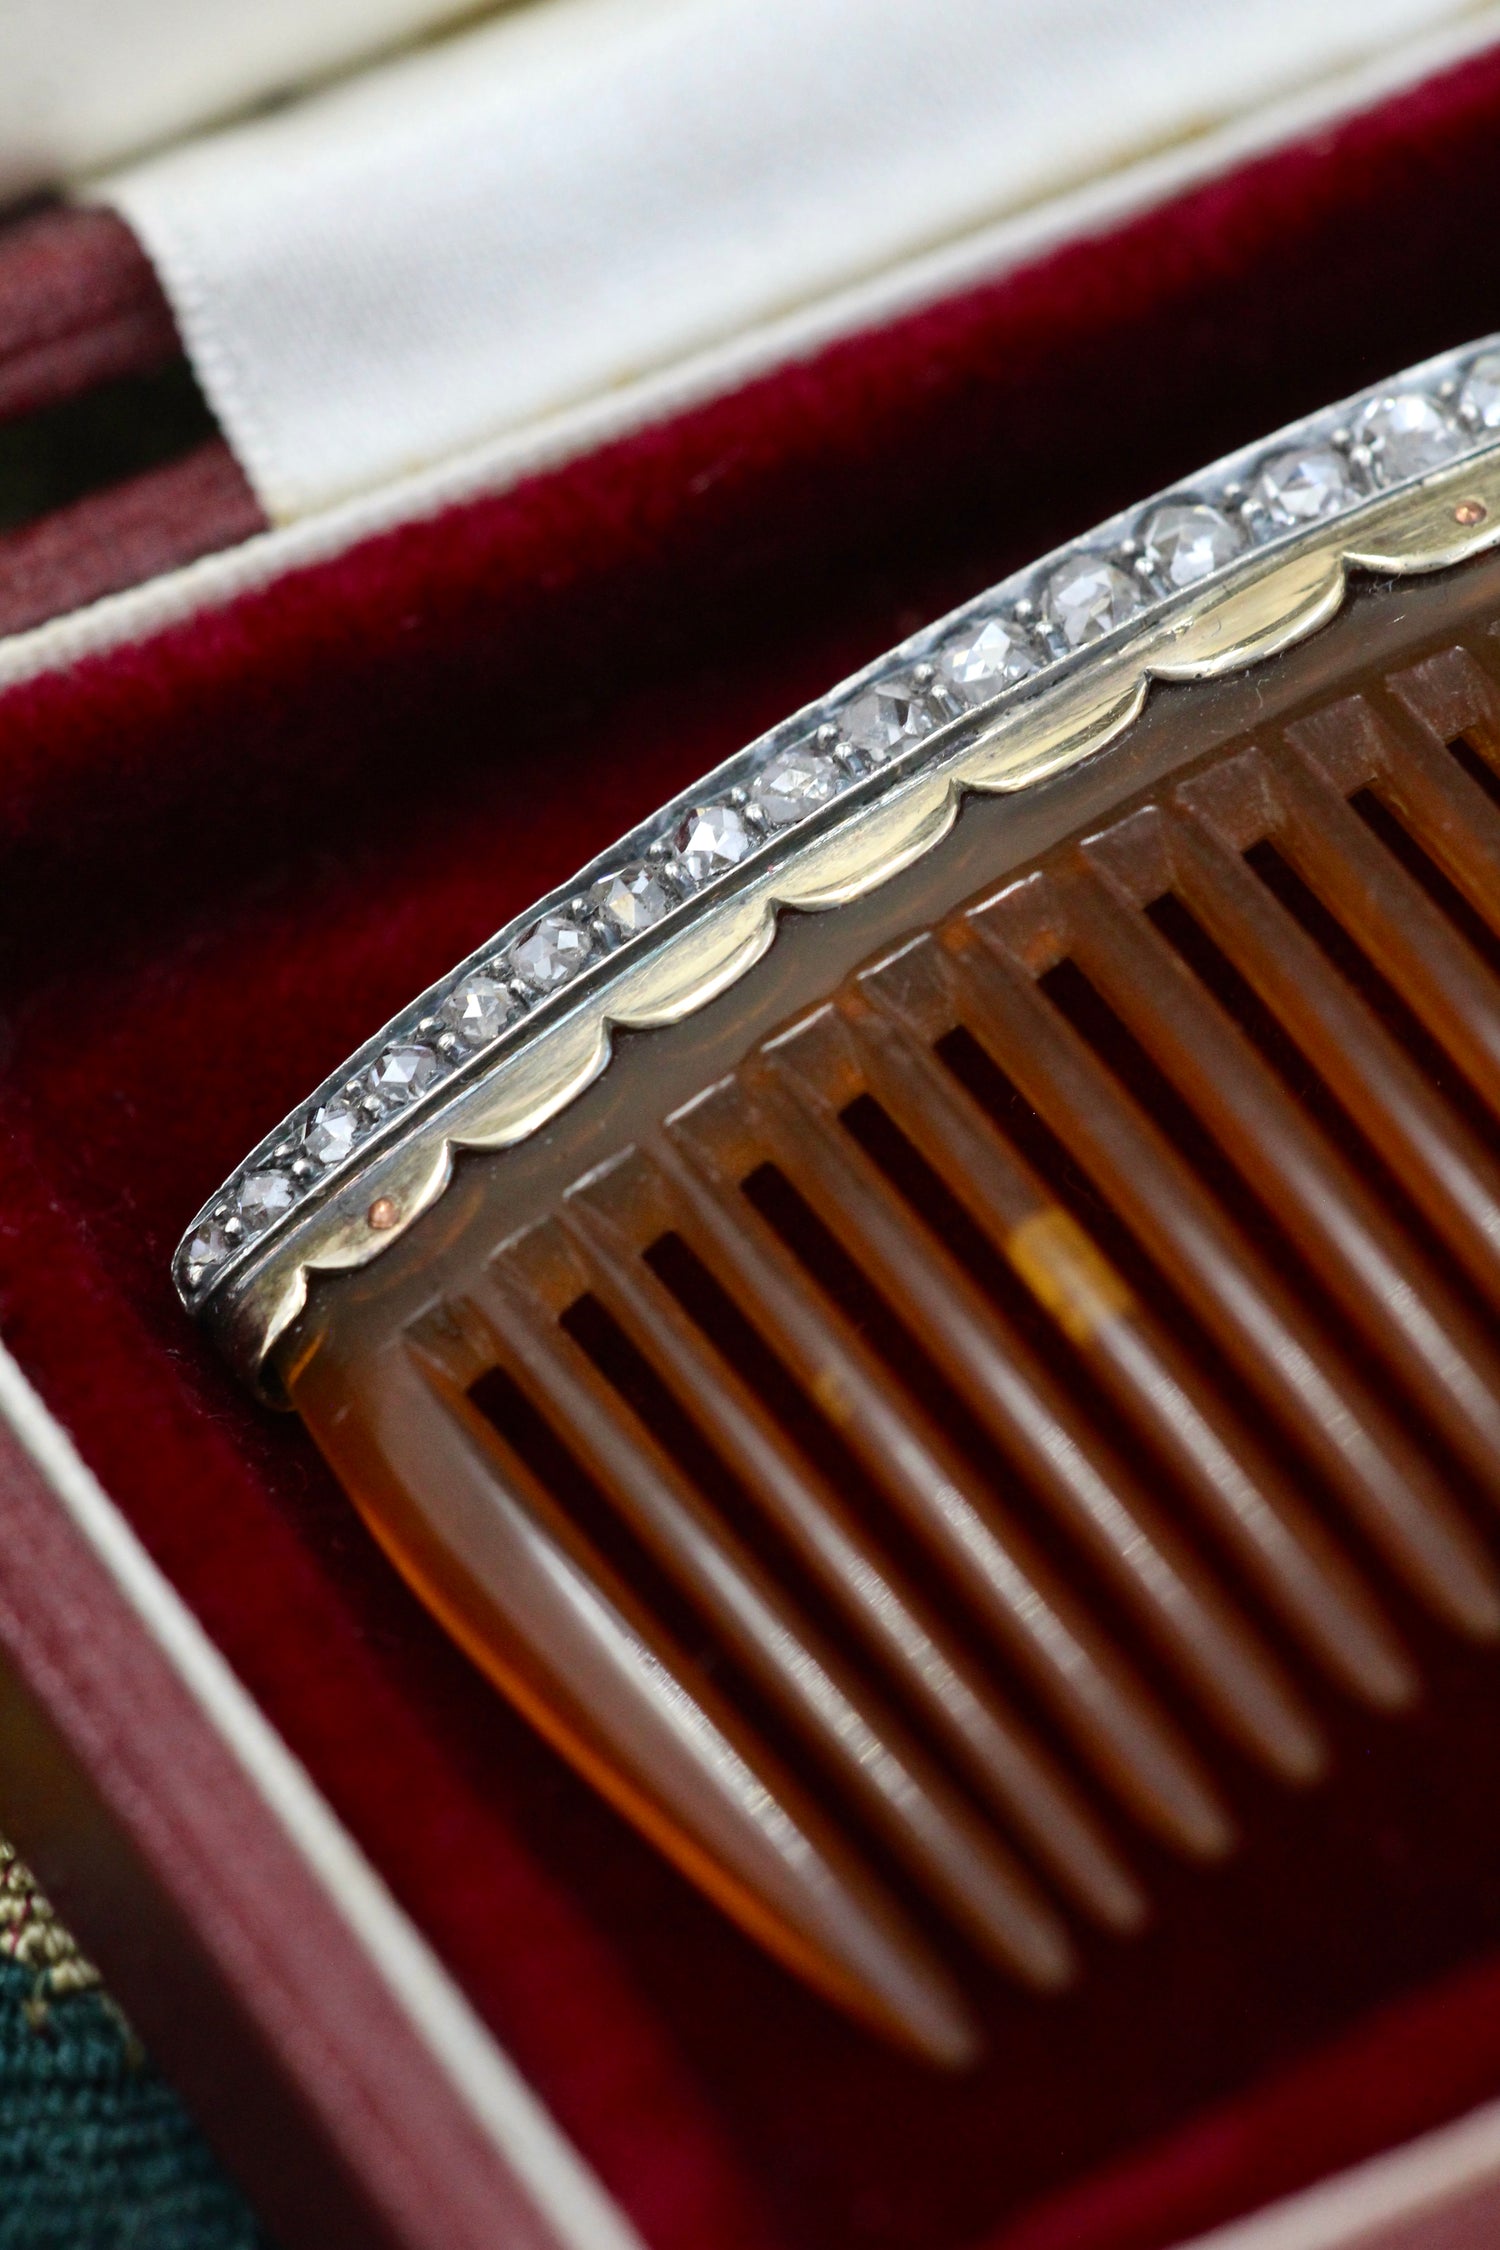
[(1259, 608)]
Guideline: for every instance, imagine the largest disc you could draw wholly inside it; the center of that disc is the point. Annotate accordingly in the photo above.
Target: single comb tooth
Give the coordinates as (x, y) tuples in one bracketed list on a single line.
[(1105, 1708), (1424, 786), (551, 1623), (1381, 1281), (1277, 1541), (997, 1752), (1337, 1420), (1413, 945), (1085, 1487), (957, 1859)]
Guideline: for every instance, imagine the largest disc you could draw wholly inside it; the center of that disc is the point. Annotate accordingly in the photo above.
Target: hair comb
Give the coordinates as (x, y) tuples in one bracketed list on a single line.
[(957, 1265)]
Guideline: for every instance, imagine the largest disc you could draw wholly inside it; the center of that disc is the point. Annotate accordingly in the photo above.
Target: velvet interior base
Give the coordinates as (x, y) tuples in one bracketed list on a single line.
[(227, 854)]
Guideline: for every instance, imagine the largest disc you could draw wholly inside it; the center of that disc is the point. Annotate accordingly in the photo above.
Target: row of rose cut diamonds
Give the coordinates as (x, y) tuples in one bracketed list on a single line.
[(1009, 636)]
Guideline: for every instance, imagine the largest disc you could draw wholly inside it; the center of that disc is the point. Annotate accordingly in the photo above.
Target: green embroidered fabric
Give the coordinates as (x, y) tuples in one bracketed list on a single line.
[(96, 2151)]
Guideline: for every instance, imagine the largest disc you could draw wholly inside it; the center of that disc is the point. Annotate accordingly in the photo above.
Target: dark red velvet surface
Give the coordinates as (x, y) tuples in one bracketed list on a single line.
[(228, 853)]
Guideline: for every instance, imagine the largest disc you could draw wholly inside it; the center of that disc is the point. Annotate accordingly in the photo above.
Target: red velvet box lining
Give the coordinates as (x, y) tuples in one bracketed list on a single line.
[(231, 851)]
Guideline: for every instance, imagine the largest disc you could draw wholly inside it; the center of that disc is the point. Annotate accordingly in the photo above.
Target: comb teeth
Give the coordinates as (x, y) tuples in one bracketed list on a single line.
[(881, 1394)]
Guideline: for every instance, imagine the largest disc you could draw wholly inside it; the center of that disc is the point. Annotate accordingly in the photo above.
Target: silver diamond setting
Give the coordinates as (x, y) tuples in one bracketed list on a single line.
[(793, 784), (1406, 434), (332, 1131), (1303, 485), (478, 1009), (401, 1075), (991, 654), (207, 1247), (262, 1198), (1479, 394), (631, 900), (906, 706), (1186, 541), (552, 951), (889, 714), (1089, 597), (709, 840)]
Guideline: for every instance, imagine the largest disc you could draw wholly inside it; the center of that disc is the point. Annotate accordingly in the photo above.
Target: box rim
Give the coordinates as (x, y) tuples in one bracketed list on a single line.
[(1373, 2205)]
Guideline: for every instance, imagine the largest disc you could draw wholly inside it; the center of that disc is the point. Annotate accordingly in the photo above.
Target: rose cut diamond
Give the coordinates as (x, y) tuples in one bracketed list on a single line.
[(332, 1132), (1303, 484), (553, 951), (630, 900), (1089, 597), (478, 1009), (793, 783), (710, 839), (987, 656), (401, 1074), (1407, 435), (1479, 400), (888, 716), (1187, 540), (264, 1196), (209, 1247)]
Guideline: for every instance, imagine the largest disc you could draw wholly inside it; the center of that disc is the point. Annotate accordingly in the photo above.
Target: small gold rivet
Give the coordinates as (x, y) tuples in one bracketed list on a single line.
[(382, 1213), (1470, 511)]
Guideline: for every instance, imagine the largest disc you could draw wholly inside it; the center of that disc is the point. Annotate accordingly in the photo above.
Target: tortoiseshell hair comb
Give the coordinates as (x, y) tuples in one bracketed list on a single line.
[(1008, 1167)]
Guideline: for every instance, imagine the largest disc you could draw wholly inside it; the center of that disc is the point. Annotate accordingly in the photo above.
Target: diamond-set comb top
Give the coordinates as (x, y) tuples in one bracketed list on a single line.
[(909, 707)]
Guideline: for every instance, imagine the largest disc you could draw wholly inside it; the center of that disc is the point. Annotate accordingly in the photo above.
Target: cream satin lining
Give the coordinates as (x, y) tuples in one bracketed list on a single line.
[(84, 83), (548, 210)]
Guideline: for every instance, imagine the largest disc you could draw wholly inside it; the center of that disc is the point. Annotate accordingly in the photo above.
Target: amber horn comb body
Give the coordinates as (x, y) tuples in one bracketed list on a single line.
[(944, 1342)]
